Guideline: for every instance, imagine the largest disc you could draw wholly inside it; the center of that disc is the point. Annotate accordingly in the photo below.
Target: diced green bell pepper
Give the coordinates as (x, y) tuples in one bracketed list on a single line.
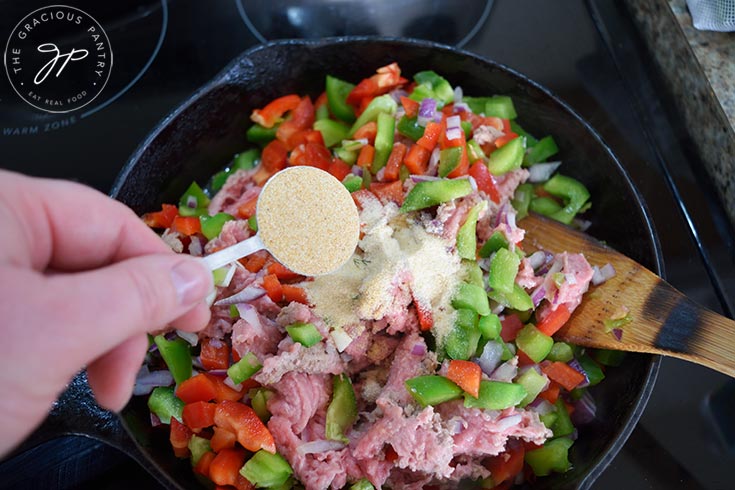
[(234, 312), (337, 92), (383, 141), (466, 128), (243, 369), (246, 160), (467, 234), (253, 223), (218, 180), (476, 104), (259, 402), (563, 425), (552, 456), (545, 206), (522, 199), (266, 470), (443, 91), (449, 159), (461, 342), (165, 404), (177, 357), (322, 112), (534, 343), (561, 352), (432, 389), (212, 225), (422, 91), (333, 132), (410, 128), (427, 194), (489, 326), (518, 299), (534, 384), (517, 129), (261, 135), (548, 419), (507, 352), (470, 272), (574, 193), (543, 149), (474, 151), (496, 395), (352, 182), (508, 157), (503, 270), (342, 411), (363, 484), (347, 156), (196, 195), (472, 297), (606, 357), (500, 106), (594, 373), (496, 241), (383, 104), (197, 447), (305, 334)]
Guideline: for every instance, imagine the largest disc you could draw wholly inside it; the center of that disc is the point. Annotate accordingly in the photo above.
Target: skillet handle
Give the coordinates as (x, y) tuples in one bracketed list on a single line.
[(76, 413)]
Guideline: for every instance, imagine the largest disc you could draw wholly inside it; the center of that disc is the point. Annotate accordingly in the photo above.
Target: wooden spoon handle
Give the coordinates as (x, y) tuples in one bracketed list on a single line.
[(663, 320)]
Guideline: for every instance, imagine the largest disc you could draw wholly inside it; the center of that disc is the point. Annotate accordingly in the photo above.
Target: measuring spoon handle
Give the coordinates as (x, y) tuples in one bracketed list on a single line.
[(234, 252)]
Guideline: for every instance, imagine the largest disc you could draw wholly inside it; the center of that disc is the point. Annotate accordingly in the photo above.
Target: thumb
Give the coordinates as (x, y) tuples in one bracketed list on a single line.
[(100, 309)]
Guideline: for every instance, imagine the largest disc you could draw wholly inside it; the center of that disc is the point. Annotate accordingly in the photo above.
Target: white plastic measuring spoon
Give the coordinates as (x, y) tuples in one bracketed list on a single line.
[(306, 219)]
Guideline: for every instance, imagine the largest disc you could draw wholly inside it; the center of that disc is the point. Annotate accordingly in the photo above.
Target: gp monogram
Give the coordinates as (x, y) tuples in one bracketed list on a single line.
[(58, 59)]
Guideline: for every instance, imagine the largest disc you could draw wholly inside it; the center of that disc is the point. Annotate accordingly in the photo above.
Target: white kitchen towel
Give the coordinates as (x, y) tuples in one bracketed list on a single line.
[(713, 15)]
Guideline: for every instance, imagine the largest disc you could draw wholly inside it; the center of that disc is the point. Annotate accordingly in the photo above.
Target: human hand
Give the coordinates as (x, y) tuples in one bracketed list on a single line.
[(82, 280)]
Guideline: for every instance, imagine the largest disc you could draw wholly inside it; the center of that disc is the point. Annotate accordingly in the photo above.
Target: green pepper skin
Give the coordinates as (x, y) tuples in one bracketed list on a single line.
[(490, 326), (260, 135), (496, 241), (534, 384), (333, 132), (541, 151), (432, 389), (337, 92), (496, 395), (449, 159), (574, 193), (500, 106), (212, 225), (503, 270), (363, 484), (244, 369), (472, 297), (177, 357), (462, 341), (518, 299), (352, 182), (427, 194), (552, 456), (383, 104), (440, 87), (545, 206), (410, 128), (305, 334), (202, 201), (592, 369), (266, 470), (383, 141), (164, 404), (198, 446), (522, 200), (246, 160), (342, 411), (563, 425), (534, 343), (508, 157), (561, 352), (467, 234)]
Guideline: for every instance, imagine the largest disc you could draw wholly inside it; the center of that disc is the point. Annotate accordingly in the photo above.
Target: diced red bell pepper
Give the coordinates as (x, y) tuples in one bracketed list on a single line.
[(303, 137), (365, 157), (302, 117), (243, 483), (551, 393), (205, 461), (273, 158), (552, 320), (367, 131), (198, 415), (510, 326), (318, 156), (506, 465), (226, 466), (282, 272), (410, 106), (222, 439), (320, 101), (199, 388), (423, 311), (563, 374), (417, 160), (386, 79), (523, 359), (214, 354), (163, 218), (273, 288), (395, 159), (223, 392), (179, 435), (271, 113), (485, 180), (466, 375), (339, 169), (431, 136), (239, 418), (363, 198), (464, 164), (256, 261), (506, 138), (187, 225), (294, 293), (388, 192), (247, 209)]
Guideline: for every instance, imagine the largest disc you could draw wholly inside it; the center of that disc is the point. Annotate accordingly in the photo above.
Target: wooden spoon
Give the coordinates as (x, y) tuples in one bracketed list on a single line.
[(664, 321)]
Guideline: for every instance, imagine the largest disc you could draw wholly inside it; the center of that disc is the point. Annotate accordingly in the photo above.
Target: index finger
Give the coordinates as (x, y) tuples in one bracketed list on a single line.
[(68, 226)]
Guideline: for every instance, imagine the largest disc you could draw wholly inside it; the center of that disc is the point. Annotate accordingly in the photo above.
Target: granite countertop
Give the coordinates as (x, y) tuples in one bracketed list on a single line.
[(699, 70)]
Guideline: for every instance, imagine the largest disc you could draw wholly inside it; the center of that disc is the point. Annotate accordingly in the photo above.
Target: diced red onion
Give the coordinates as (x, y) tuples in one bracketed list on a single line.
[(211, 297), (484, 264), (473, 183), (458, 425), (357, 170), (454, 133), (232, 384), (433, 167), (490, 357), (585, 409), (250, 293), (570, 278), (457, 94), (155, 421), (341, 339), (397, 94), (506, 371), (578, 367), (454, 122), (600, 275), (419, 349), (320, 446), (618, 334), (460, 107), (510, 218), (220, 373), (423, 178), (380, 175), (191, 337), (191, 202), (608, 271), (195, 247), (227, 279), (581, 224), (538, 295), (400, 112), (427, 111), (541, 406), (501, 216), (508, 422), (541, 172), (146, 380), (250, 315), (537, 259), (498, 309)]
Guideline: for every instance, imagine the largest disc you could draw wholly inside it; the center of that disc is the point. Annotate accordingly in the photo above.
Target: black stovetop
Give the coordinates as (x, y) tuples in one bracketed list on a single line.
[(589, 53)]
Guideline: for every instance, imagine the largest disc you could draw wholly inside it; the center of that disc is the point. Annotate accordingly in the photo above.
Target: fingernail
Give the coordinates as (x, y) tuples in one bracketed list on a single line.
[(191, 280)]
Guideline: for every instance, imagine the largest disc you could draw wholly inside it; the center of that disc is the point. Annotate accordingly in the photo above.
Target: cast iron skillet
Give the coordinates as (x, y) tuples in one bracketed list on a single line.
[(201, 136)]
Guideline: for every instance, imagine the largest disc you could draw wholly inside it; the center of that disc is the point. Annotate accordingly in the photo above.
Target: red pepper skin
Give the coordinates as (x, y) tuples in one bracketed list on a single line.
[(198, 415), (485, 180), (179, 436), (271, 113), (199, 388), (225, 467), (511, 325), (242, 420), (214, 354), (163, 218)]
